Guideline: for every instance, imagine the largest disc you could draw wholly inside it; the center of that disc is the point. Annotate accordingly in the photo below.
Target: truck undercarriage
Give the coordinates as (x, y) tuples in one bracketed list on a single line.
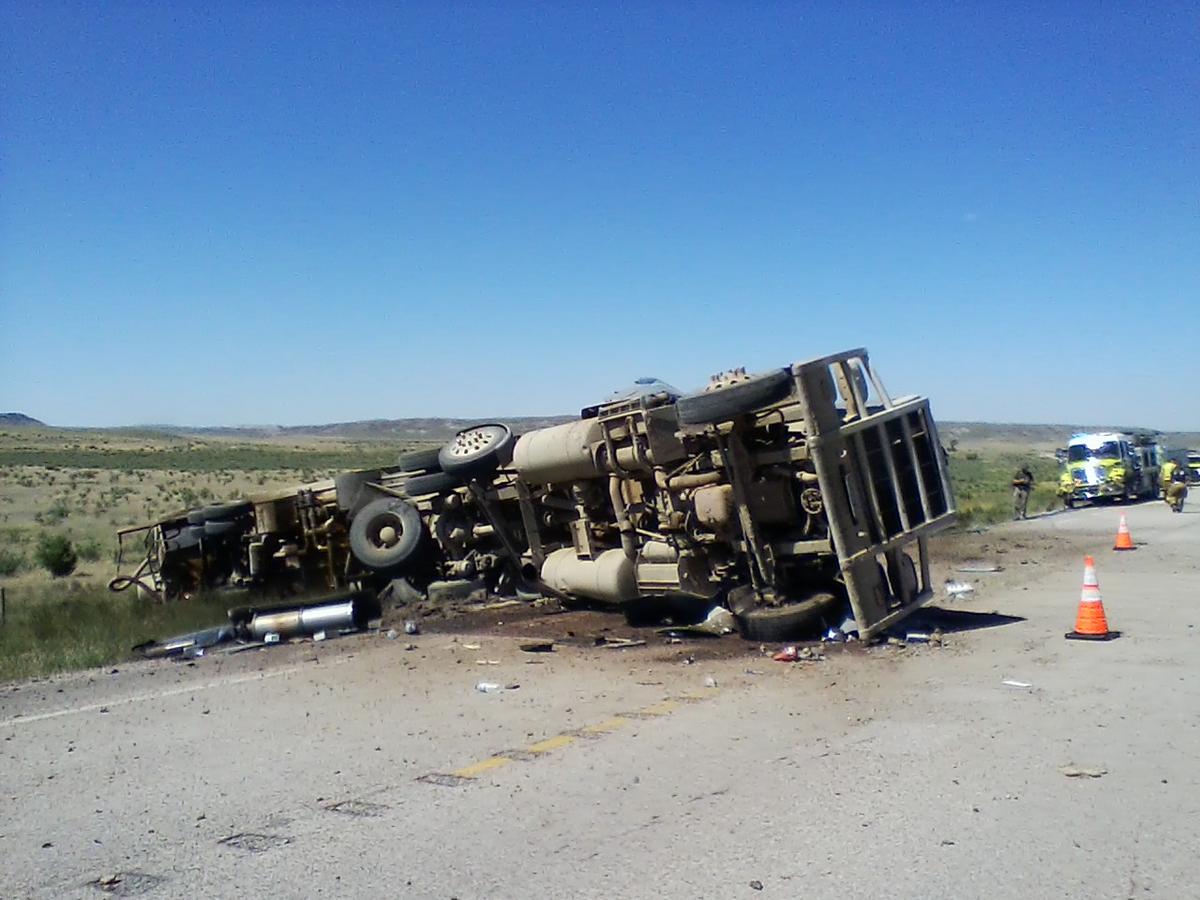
[(790, 496)]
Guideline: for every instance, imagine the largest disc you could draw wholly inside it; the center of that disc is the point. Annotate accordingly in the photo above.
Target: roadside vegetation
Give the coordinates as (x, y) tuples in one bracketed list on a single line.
[(983, 484), (72, 625)]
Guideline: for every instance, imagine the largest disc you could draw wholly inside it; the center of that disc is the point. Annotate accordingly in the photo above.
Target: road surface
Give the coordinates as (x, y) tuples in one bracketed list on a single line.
[(358, 767)]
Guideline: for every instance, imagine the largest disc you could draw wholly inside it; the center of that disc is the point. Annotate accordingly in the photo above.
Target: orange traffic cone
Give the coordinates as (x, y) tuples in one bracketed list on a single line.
[(1124, 538), (1091, 623)]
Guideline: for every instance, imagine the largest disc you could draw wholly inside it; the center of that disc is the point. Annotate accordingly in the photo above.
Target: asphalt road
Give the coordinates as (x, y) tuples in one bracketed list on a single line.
[(360, 768)]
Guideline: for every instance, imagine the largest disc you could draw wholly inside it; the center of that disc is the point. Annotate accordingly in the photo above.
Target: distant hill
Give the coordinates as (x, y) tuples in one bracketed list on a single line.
[(433, 429), (19, 420), (1046, 436)]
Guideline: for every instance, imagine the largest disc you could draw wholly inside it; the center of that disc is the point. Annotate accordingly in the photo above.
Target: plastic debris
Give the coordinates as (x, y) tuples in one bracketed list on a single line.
[(392, 634), (974, 568), (319, 636), (710, 682), (1017, 684), (271, 637), (959, 588), (411, 627), (492, 687)]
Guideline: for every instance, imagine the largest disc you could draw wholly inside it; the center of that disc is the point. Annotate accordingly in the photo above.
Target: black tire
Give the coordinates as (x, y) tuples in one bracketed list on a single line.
[(216, 529), (725, 403), (904, 580), (477, 451), (349, 487), (222, 511), (370, 541), (185, 539), (788, 622), (420, 460), (433, 483)]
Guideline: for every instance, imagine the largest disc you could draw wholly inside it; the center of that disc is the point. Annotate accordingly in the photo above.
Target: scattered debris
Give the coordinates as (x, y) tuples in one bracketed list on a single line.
[(470, 646), (710, 682), (797, 654), (271, 637), (1073, 771), (756, 885), (619, 643), (319, 636), (491, 687), (958, 589), (411, 627), (923, 637), (186, 643), (973, 568), (392, 634), (1017, 684), (718, 622), (538, 647)]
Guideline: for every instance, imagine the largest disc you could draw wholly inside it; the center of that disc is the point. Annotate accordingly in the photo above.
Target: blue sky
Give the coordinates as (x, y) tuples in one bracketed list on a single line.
[(278, 212)]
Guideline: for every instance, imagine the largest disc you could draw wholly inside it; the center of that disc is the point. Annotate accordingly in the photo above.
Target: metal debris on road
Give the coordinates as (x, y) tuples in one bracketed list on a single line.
[(718, 622), (973, 568), (1073, 771)]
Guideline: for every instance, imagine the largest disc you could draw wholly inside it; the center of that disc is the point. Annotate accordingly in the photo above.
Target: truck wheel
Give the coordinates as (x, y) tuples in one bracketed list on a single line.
[(788, 622), (731, 401), (386, 534), (433, 483), (221, 512), (477, 451), (420, 460)]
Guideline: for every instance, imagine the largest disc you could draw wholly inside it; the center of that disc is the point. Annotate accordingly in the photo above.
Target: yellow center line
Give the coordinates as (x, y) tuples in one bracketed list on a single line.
[(606, 726), (486, 765), (554, 743), (659, 709)]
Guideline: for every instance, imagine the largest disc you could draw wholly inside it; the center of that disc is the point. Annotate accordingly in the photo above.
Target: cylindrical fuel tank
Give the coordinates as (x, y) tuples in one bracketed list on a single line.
[(304, 621), (609, 577), (558, 454)]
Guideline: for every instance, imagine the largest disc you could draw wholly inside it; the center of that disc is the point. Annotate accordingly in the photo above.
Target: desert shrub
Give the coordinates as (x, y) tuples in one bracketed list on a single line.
[(89, 549), (11, 561), (56, 554)]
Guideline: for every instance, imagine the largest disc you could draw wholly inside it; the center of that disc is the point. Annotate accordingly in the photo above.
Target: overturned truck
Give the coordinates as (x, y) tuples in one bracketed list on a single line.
[(791, 496)]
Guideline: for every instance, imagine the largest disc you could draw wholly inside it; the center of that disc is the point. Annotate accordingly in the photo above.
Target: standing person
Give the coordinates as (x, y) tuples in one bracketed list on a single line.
[(1022, 487), (1177, 488)]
